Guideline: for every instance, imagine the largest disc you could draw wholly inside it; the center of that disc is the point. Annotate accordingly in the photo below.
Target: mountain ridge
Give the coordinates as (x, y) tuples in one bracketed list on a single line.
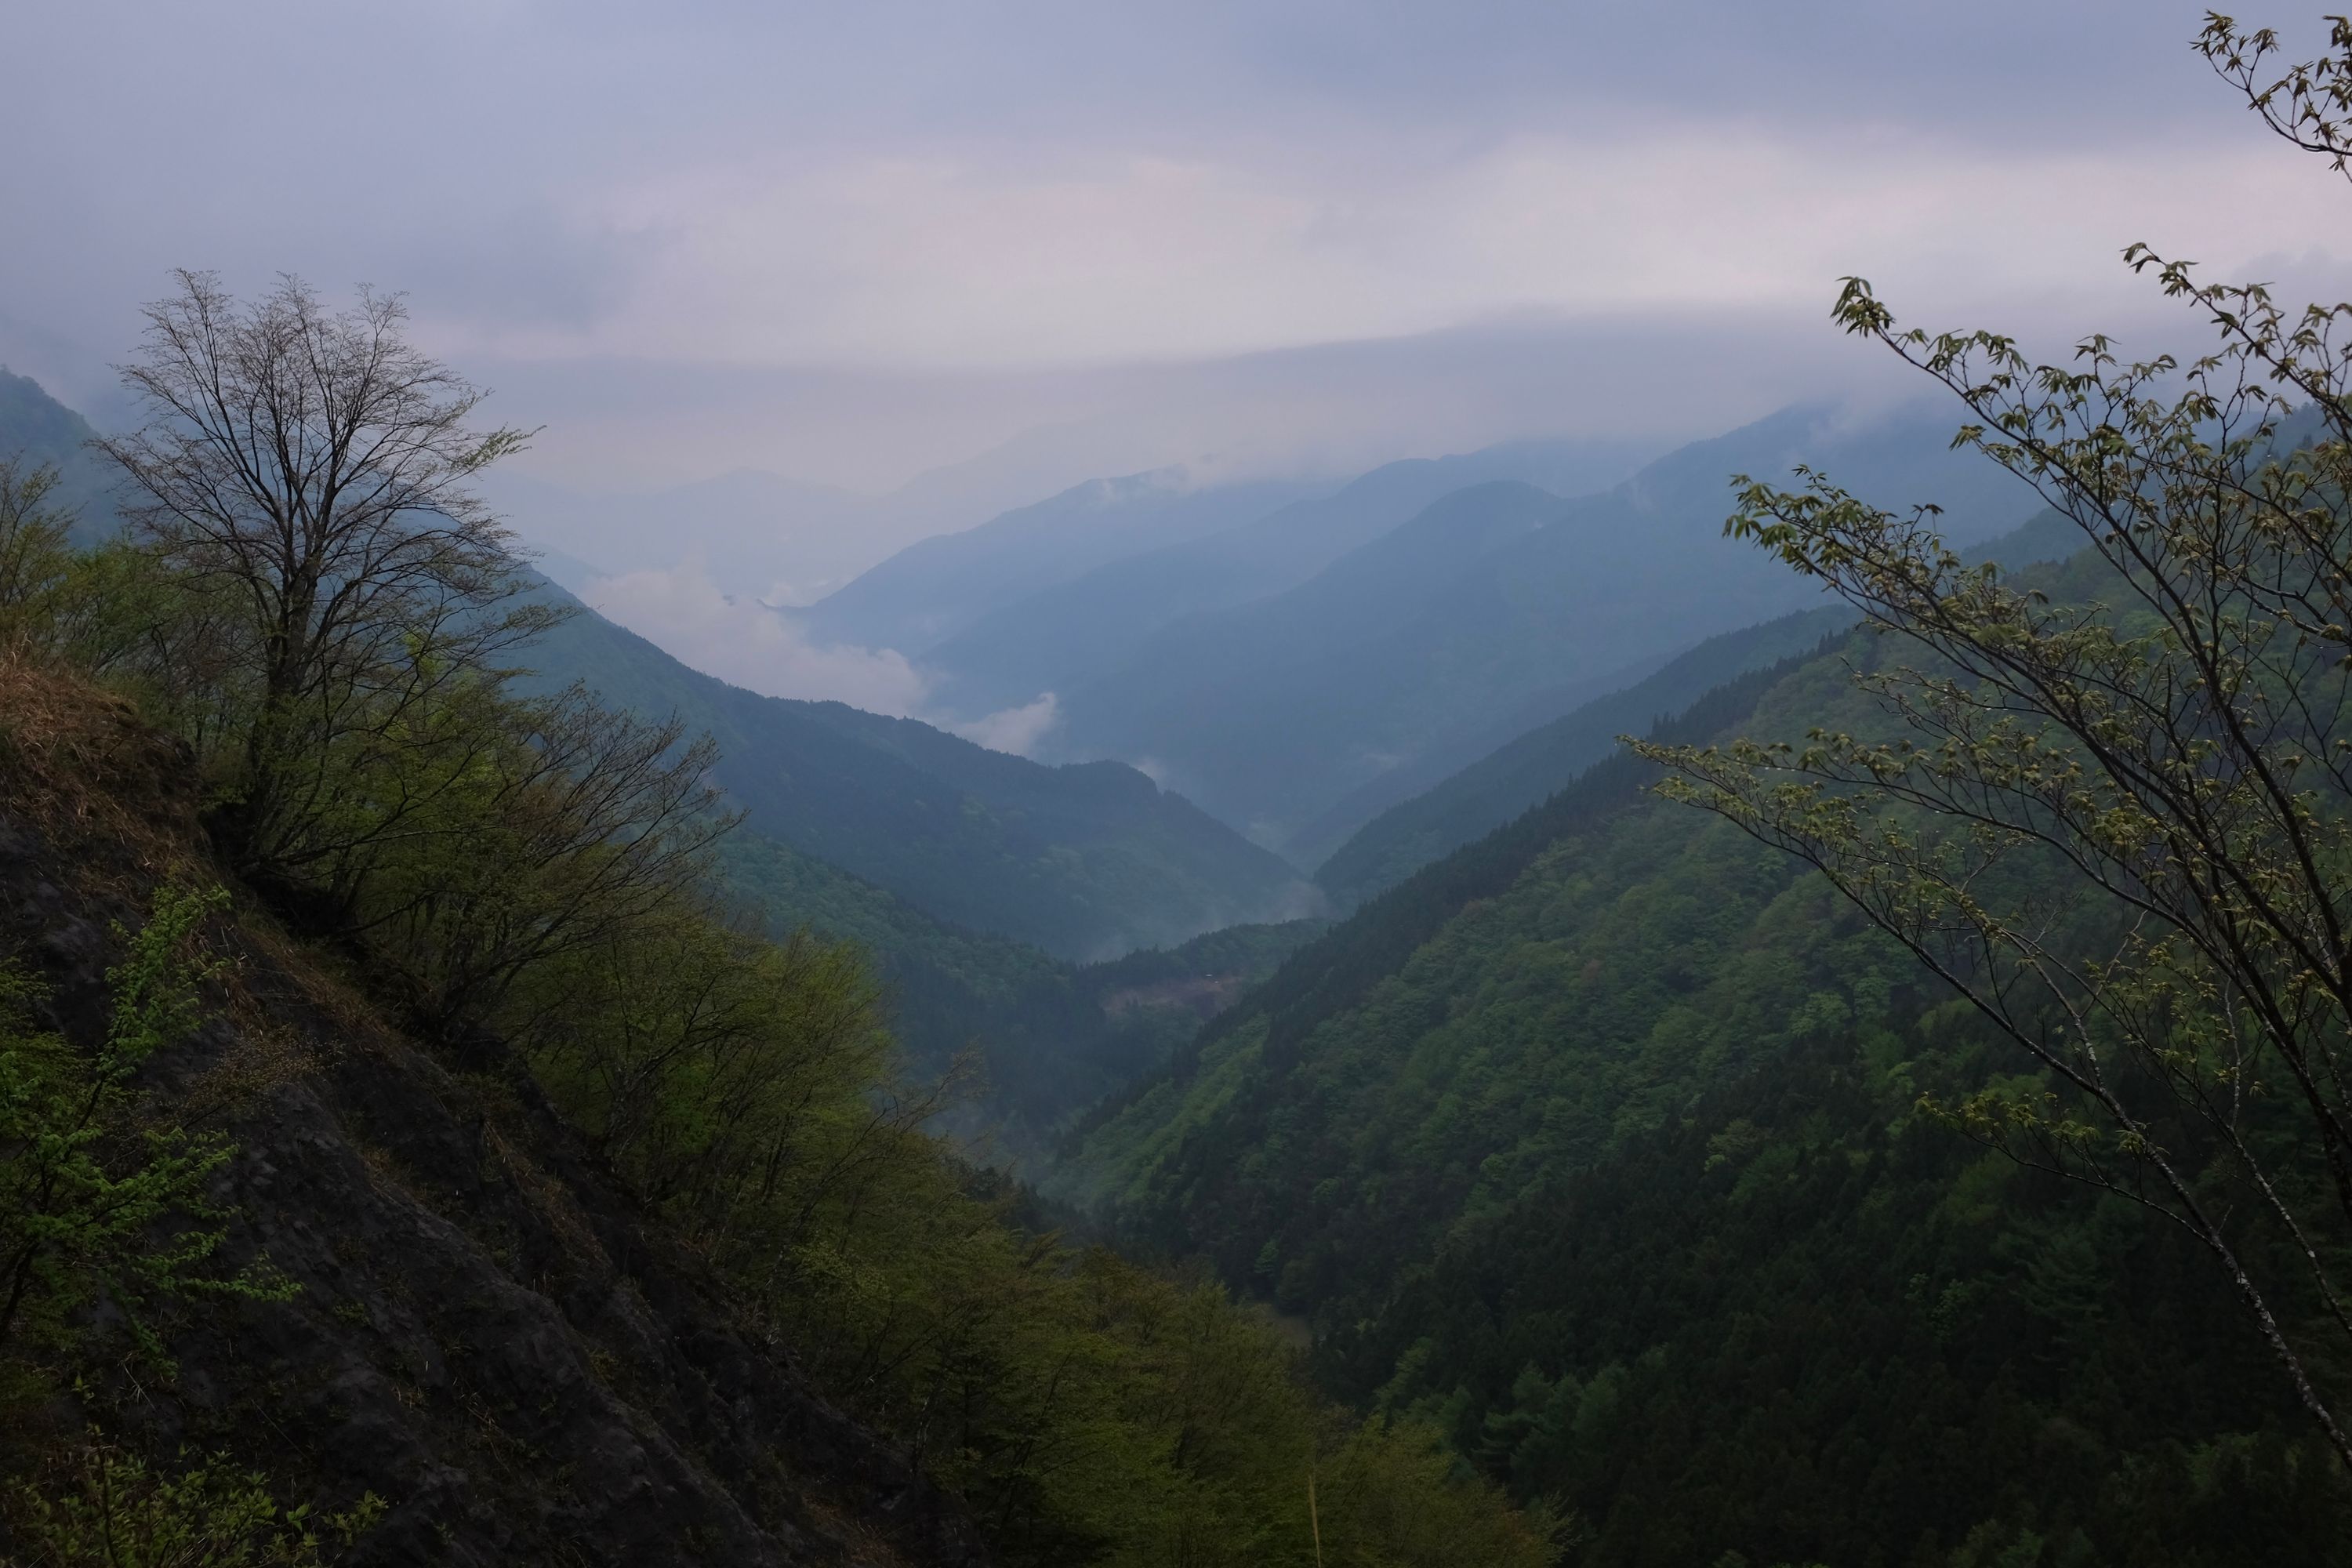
[(1357, 672), (1084, 861), (936, 588), (1055, 638)]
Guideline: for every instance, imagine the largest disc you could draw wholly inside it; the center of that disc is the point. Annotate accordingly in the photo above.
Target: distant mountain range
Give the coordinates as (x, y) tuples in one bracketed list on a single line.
[(933, 589), (1415, 619), (1070, 634), (1294, 658)]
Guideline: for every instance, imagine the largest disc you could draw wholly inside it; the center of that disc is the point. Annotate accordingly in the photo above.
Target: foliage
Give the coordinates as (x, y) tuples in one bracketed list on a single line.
[(103, 1506), (97, 609), (2120, 826), (1596, 1146), (33, 554), (98, 1195), (518, 831), (1089, 1410), (715, 1066)]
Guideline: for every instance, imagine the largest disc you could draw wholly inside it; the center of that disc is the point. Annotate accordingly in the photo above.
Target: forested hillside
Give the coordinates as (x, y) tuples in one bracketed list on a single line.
[(1533, 765), (1536, 765), (1086, 860), (1036, 1039), (1597, 1142)]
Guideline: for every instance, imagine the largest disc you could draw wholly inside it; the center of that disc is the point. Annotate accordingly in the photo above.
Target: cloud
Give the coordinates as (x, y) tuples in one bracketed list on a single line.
[(1213, 181), (747, 644), (1016, 729), (966, 261), (850, 243), (744, 642)]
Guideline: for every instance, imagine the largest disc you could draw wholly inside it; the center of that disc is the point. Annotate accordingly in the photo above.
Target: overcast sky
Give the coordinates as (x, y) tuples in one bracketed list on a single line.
[(850, 242)]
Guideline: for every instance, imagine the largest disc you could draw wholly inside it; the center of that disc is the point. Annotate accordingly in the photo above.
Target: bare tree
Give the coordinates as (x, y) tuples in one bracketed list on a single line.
[(313, 470)]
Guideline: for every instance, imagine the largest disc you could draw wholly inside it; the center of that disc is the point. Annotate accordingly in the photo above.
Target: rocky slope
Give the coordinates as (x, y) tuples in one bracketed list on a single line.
[(488, 1334)]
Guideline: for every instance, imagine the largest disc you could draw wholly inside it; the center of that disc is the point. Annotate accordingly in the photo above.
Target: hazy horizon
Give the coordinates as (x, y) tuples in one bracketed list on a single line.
[(922, 264), (851, 248)]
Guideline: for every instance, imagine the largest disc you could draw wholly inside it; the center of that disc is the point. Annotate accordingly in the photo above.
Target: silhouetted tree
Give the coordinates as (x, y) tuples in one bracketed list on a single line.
[(311, 470)]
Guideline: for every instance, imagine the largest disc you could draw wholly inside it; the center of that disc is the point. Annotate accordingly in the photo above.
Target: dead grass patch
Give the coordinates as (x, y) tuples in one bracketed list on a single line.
[(79, 764), (552, 1202)]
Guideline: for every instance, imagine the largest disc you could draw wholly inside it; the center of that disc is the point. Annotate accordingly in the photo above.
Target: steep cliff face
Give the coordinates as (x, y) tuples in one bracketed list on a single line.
[(488, 1333)]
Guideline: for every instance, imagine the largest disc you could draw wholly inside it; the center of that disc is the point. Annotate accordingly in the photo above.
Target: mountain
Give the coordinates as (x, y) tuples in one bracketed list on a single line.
[(1065, 637), (936, 588), (1599, 1141), (1523, 770), (37, 429), (1116, 863), (1084, 860), (1509, 781), (1419, 641)]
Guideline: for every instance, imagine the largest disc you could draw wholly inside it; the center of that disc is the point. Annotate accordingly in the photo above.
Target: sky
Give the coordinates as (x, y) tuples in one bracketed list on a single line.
[(1008, 246)]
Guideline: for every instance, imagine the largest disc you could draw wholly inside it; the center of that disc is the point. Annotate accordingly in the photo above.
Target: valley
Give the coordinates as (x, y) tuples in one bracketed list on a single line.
[(1545, 992), (1052, 860)]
